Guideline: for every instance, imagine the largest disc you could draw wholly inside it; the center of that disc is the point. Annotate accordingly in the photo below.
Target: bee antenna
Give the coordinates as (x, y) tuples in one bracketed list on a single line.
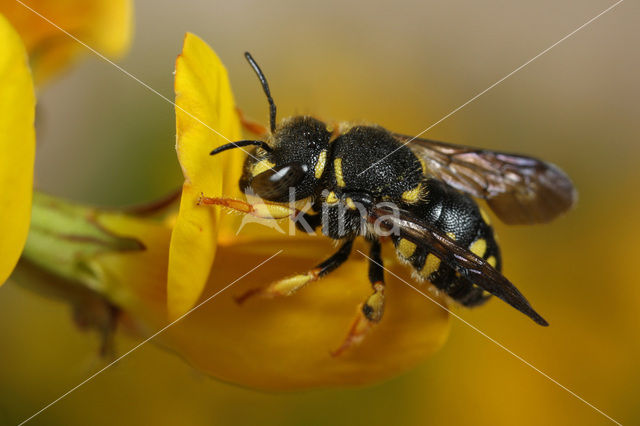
[(239, 144), (265, 87)]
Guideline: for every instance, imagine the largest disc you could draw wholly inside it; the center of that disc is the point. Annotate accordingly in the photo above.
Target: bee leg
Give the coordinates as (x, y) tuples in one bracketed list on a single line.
[(262, 210), (290, 285), (252, 126), (370, 312)]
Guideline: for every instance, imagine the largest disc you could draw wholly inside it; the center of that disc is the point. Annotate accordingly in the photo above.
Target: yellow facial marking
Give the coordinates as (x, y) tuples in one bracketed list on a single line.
[(485, 216), (322, 161), (431, 264), (406, 248), (412, 195), (479, 247), (350, 203), (337, 166), (262, 166), (332, 198), (492, 261), (451, 235)]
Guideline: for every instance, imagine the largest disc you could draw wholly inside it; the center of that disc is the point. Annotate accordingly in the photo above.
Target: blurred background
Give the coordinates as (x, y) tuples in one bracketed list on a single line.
[(106, 140)]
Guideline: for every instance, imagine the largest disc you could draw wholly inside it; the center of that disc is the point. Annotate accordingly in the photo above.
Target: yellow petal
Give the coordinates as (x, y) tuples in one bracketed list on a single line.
[(206, 117), (105, 25), (17, 147), (136, 280), (284, 343), (193, 247)]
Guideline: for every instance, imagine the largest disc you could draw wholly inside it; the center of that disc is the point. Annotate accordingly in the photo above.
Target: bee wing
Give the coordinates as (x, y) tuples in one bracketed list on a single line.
[(463, 261), (519, 189)]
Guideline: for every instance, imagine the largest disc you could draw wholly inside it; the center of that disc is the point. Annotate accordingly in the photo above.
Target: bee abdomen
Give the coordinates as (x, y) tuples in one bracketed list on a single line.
[(470, 229)]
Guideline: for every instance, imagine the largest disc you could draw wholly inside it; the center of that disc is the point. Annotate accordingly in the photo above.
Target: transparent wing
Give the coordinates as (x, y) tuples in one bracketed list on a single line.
[(519, 189)]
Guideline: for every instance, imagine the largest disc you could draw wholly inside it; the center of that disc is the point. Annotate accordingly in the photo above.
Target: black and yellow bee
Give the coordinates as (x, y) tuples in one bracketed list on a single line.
[(363, 180)]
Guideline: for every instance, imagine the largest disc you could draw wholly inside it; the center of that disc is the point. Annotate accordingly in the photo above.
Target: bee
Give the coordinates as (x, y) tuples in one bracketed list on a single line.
[(366, 181)]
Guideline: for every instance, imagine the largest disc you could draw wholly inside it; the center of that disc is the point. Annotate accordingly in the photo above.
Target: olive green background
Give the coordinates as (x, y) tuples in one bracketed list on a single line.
[(105, 139)]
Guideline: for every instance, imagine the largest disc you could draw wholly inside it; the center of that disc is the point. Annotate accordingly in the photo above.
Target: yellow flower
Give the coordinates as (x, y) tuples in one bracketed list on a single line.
[(28, 40), (17, 147), (157, 269), (203, 102), (278, 344), (105, 25)]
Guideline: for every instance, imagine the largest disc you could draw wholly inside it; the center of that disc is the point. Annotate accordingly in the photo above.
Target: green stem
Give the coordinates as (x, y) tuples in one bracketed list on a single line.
[(64, 238)]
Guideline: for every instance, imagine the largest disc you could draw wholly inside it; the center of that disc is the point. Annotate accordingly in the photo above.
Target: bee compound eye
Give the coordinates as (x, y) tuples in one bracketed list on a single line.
[(274, 184)]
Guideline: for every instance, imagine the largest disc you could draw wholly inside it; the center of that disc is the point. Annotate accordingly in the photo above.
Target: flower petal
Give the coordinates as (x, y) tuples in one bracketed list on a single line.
[(192, 250), (283, 343), (17, 147), (105, 25), (206, 117)]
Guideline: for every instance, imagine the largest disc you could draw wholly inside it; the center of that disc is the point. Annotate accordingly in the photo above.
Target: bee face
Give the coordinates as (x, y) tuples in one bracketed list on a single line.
[(297, 160)]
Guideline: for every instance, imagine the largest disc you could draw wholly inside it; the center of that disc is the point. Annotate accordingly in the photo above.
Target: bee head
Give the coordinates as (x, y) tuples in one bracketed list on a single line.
[(292, 161), (293, 164)]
